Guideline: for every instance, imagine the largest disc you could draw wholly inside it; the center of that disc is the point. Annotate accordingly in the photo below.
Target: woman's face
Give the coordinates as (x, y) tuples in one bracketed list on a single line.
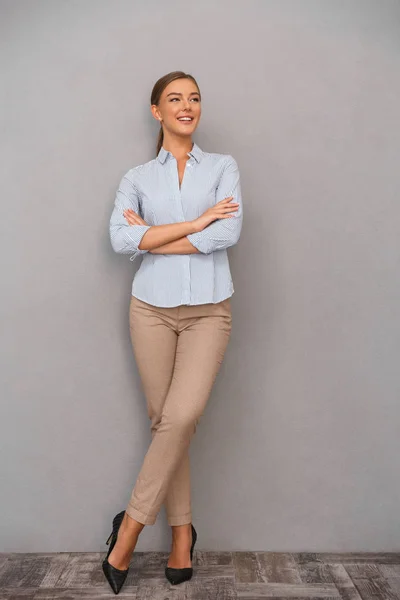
[(180, 98)]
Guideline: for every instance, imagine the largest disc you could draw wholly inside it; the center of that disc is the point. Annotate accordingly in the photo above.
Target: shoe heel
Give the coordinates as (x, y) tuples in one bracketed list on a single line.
[(194, 540), (109, 539), (115, 577), (176, 576)]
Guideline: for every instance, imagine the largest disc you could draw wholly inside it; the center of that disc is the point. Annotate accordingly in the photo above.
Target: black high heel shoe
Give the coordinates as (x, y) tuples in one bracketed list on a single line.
[(115, 577), (176, 576)]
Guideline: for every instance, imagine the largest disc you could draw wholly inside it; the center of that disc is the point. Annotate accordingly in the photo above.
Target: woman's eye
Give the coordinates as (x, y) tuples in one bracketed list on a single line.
[(172, 99)]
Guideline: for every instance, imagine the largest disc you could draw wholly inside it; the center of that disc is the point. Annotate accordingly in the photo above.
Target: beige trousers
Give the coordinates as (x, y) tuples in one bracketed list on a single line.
[(178, 352)]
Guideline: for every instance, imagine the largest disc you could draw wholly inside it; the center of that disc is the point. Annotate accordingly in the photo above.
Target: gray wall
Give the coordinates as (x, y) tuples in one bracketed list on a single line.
[(298, 448)]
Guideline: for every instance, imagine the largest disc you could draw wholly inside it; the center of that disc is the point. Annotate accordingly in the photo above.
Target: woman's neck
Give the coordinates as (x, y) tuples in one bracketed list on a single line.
[(178, 148)]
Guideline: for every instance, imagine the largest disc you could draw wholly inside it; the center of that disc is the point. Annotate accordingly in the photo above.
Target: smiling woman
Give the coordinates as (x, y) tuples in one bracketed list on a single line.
[(173, 105), (177, 211)]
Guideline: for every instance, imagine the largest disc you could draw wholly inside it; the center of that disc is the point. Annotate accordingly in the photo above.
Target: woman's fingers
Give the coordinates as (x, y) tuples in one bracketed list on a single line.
[(130, 212), (132, 220), (226, 204), (231, 208), (228, 199), (132, 217)]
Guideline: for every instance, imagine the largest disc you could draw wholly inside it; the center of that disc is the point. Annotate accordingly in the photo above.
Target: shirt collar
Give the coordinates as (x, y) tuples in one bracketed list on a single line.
[(196, 152)]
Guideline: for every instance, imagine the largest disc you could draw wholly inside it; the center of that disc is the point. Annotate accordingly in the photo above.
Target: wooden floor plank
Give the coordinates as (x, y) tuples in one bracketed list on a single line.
[(56, 566), (212, 558), (211, 588), (247, 567), (389, 570), (359, 557), (24, 570), (343, 582), (370, 582), (72, 593), (217, 576), (279, 567), (159, 588), (273, 590)]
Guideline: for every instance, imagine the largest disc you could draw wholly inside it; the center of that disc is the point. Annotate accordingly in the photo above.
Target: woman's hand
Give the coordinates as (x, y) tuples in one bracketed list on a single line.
[(219, 211), (133, 218)]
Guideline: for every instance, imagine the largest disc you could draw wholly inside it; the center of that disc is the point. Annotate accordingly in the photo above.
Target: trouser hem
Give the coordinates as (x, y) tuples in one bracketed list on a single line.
[(182, 520), (139, 516)]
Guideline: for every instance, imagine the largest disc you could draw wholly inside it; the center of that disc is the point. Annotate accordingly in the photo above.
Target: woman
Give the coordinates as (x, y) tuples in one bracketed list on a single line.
[(181, 211)]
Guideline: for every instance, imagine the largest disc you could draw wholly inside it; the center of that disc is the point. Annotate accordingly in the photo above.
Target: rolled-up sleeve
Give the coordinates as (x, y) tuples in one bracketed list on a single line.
[(125, 238), (223, 233)]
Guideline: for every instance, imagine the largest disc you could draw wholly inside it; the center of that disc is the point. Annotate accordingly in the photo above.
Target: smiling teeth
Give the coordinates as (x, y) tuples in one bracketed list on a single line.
[(185, 119)]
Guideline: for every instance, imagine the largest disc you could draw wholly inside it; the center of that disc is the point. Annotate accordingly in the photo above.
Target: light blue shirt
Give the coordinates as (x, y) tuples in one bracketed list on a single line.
[(152, 191)]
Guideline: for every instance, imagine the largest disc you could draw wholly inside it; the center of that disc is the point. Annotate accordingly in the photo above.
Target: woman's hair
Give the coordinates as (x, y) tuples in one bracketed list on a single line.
[(158, 89)]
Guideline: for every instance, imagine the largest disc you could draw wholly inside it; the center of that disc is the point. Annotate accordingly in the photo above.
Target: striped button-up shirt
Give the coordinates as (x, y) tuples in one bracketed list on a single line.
[(152, 191)]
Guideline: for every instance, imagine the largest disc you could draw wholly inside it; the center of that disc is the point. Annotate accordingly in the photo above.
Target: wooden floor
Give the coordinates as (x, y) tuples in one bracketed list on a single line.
[(217, 576)]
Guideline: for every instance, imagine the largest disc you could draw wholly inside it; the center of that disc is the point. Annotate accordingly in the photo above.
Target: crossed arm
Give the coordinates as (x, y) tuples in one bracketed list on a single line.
[(220, 234), (181, 246)]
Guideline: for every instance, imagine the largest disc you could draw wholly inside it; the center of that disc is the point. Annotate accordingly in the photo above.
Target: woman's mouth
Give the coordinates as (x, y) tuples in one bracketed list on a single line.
[(185, 120)]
